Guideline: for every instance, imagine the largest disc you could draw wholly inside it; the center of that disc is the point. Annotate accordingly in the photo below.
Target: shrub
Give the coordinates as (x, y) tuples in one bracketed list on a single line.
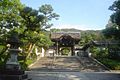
[(113, 64)]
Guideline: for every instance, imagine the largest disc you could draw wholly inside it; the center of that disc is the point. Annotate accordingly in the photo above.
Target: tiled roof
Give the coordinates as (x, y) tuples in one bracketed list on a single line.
[(74, 35)]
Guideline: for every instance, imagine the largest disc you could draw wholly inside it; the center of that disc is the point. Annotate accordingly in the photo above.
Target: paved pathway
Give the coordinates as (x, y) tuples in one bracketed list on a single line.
[(58, 64), (73, 76), (69, 68), (71, 64)]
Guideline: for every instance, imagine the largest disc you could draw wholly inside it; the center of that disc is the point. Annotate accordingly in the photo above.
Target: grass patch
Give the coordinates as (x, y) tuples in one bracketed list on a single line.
[(112, 64)]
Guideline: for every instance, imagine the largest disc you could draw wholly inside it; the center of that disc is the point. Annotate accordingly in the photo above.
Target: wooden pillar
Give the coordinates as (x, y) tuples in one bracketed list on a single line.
[(72, 50), (57, 48)]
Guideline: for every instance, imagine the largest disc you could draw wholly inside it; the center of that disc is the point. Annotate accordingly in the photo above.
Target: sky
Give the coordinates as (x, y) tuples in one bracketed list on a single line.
[(78, 14)]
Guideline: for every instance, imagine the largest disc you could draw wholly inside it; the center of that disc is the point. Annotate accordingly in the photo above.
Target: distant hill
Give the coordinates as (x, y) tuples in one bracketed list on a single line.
[(70, 30), (75, 30)]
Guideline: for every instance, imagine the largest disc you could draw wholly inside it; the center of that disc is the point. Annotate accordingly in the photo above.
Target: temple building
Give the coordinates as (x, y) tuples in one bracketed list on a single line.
[(64, 40)]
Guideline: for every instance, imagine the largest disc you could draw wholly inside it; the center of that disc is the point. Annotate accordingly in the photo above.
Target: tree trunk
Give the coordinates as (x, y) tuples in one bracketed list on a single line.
[(31, 47)]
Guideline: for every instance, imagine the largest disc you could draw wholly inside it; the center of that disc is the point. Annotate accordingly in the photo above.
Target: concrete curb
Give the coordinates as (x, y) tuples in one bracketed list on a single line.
[(100, 63)]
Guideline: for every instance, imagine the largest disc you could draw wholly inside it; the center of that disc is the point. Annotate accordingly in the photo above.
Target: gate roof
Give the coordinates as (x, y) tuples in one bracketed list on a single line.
[(57, 35)]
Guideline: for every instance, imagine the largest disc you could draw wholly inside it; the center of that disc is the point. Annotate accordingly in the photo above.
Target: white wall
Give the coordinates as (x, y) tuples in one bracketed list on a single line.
[(42, 54)]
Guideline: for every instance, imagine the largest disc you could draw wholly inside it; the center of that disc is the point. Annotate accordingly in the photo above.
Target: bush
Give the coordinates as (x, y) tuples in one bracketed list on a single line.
[(114, 53), (98, 53), (94, 51), (25, 64), (112, 64)]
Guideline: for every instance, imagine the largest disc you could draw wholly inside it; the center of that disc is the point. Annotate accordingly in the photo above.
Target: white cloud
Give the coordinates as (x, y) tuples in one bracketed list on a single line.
[(80, 27)]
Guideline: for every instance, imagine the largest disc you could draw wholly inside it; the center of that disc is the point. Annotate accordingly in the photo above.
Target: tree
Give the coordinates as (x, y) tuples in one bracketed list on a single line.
[(32, 19), (47, 11), (89, 35), (27, 23), (115, 17), (9, 13), (113, 27), (35, 22), (9, 21), (9, 17), (112, 30)]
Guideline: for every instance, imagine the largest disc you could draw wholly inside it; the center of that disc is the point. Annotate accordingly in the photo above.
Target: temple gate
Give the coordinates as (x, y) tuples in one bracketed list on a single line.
[(65, 40)]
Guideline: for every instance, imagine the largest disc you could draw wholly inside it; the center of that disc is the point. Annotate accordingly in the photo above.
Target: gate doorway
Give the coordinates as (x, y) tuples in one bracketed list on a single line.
[(65, 51)]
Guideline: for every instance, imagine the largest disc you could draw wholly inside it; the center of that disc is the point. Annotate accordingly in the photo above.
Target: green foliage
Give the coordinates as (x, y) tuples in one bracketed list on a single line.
[(112, 64), (99, 52), (94, 51), (25, 64), (32, 19), (112, 30), (115, 17), (3, 53), (54, 30), (47, 11), (114, 52), (1, 48), (65, 51), (27, 23), (70, 30), (3, 56), (36, 21), (9, 18), (9, 13), (44, 41), (87, 36)]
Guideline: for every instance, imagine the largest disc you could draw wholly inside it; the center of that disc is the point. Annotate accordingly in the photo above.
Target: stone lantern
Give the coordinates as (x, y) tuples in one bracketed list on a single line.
[(12, 70), (12, 63)]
